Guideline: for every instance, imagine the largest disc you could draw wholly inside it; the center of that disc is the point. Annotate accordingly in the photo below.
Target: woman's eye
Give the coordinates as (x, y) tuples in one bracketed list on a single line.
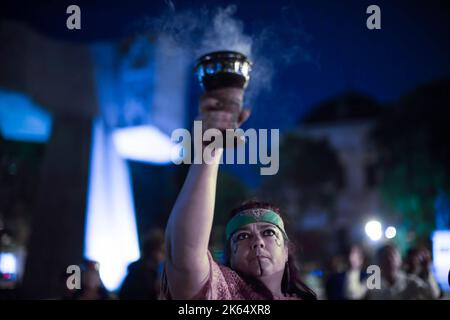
[(242, 236), (269, 232)]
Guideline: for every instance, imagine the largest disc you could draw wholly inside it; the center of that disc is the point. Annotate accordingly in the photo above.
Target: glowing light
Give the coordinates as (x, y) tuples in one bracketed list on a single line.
[(144, 143), (21, 119), (373, 230), (8, 263), (441, 257), (390, 232), (111, 233)]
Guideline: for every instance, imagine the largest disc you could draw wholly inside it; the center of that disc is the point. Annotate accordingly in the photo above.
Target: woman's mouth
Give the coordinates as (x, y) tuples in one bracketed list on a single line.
[(259, 257)]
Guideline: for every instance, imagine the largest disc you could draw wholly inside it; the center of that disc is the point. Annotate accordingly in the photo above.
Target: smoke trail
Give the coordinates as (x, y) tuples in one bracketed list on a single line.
[(226, 33), (202, 30)]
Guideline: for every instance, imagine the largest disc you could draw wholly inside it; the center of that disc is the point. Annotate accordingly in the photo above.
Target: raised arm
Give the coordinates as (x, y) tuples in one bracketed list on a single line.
[(190, 222)]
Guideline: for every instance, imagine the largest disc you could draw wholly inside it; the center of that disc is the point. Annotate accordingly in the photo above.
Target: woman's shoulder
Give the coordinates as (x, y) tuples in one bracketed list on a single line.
[(223, 275)]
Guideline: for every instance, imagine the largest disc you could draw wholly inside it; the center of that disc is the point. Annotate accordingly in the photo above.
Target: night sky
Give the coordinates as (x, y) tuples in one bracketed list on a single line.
[(331, 50), (337, 52)]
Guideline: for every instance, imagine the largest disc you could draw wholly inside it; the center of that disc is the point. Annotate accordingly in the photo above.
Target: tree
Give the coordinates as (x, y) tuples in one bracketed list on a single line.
[(308, 181), (310, 174), (412, 139)]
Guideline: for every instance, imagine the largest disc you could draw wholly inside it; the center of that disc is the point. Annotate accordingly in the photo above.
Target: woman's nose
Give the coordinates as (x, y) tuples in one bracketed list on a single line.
[(258, 243)]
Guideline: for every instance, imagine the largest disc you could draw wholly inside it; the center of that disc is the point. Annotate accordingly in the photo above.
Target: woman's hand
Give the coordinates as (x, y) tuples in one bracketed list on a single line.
[(222, 109)]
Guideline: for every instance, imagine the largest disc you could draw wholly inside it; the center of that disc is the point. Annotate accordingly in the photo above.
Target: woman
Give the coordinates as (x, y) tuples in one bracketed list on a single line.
[(259, 264)]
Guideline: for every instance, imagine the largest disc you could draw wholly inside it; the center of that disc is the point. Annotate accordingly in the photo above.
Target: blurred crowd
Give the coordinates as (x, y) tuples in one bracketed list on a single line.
[(389, 278), (354, 275), (141, 283)]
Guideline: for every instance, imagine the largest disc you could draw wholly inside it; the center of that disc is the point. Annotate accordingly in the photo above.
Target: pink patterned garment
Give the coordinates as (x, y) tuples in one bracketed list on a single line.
[(225, 284)]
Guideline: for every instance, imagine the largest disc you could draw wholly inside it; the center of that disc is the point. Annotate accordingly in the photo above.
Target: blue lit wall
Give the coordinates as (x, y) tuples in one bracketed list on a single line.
[(136, 118), (111, 236), (21, 119)]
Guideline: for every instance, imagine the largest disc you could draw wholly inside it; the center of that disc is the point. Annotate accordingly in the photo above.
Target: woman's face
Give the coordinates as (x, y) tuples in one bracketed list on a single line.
[(258, 250)]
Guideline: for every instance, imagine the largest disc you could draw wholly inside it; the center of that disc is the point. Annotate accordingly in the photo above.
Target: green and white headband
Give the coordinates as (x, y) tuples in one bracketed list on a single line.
[(252, 216)]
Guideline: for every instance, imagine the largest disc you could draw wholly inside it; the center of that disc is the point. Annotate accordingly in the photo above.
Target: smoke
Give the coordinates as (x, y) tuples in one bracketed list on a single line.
[(202, 30), (225, 33)]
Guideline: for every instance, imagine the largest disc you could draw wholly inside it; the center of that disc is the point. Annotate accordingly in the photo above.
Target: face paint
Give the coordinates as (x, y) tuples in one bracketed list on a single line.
[(278, 239), (235, 247), (258, 250)]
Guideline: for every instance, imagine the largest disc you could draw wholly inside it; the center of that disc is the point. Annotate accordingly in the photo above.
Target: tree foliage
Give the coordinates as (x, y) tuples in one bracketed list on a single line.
[(310, 170), (414, 155)]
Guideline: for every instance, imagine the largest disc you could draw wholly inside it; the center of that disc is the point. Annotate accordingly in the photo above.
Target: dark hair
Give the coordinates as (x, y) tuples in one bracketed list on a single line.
[(152, 241), (86, 266), (384, 250), (361, 249), (291, 282)]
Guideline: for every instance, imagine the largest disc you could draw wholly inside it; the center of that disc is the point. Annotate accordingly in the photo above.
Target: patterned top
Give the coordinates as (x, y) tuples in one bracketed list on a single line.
[(225, 284)]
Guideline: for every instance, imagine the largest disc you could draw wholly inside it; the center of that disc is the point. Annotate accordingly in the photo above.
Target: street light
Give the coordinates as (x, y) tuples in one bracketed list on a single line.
[(390, 232), (373, 230)]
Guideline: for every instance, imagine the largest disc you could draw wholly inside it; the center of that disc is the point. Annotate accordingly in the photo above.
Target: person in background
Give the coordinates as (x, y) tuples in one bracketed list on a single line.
[(355, 287), (334, 289), (92, 287), (143, 279), (349, 284), (395, 283), (418, 262)]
